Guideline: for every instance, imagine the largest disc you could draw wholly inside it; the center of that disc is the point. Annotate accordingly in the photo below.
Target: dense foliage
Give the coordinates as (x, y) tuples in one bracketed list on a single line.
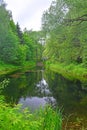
[(16, 46), (65, 26), (11, 119)]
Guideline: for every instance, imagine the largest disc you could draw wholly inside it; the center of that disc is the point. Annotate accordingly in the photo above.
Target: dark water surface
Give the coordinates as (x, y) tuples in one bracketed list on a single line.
[(35, 88)]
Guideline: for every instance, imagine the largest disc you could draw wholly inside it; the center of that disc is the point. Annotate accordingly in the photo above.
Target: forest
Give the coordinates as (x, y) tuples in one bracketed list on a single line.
[(60, 46), (64, 33), (64, 25), (17, 47)]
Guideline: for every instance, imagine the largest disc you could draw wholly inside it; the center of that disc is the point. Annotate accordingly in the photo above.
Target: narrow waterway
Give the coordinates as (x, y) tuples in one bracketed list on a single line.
[(38, 87)]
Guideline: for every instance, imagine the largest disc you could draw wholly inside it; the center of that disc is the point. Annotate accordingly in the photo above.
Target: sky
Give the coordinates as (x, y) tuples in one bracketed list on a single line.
[(28, 13)]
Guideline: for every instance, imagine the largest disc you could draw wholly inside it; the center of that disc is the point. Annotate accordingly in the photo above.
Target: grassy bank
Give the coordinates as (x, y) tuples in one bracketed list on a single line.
[(71, 71), (8, 68)]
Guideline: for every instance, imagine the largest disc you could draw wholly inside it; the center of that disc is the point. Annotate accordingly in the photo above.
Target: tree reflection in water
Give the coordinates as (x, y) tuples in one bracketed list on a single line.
[(39, 87)]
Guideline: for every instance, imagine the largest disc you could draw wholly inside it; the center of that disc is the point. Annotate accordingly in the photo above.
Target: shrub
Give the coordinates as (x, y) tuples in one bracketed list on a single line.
[(15, 119)]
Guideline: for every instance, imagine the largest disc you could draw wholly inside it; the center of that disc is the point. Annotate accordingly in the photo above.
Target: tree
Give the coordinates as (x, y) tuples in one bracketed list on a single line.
[(9, 42), (31, 39), (65, 25), (19, 33), (13, 27)]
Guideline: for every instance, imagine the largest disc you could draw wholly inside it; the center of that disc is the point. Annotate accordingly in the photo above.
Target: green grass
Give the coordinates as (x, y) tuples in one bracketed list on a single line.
[(70, 71), (8, 68)]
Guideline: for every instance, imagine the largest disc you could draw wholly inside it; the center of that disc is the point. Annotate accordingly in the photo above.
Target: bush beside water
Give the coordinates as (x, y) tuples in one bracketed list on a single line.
[(13, 119)]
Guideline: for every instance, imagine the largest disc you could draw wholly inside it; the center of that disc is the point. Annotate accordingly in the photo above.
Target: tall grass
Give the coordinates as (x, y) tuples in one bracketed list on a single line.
[(52, 119)]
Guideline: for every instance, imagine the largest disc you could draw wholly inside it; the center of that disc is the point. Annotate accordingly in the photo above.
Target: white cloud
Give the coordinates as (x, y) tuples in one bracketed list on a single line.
[(28, 12)]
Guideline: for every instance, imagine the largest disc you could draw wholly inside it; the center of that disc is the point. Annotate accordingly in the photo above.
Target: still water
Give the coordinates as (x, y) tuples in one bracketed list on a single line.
[(38, 87)]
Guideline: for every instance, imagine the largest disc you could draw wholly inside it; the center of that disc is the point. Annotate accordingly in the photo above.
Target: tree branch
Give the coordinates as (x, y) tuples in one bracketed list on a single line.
[(78, 19)]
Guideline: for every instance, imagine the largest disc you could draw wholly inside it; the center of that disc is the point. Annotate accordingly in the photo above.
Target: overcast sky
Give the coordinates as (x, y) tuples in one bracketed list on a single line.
[(28, 13)]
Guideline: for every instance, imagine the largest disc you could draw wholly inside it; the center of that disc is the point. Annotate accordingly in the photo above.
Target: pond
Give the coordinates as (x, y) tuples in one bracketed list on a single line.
[(38, 87)]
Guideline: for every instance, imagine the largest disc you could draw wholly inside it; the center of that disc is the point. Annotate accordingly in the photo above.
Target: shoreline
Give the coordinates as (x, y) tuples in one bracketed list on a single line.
[(9, 68), (71, 72)]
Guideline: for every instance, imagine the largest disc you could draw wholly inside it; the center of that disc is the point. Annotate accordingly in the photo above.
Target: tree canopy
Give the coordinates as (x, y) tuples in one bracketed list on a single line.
[(64, 25)]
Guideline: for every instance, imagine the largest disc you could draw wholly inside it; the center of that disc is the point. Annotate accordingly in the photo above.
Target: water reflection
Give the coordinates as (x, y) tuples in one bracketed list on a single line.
[(38, 88), (33, 102), (69, 94), (42, 95), (42, 86), (29, 88), (36, 102)]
